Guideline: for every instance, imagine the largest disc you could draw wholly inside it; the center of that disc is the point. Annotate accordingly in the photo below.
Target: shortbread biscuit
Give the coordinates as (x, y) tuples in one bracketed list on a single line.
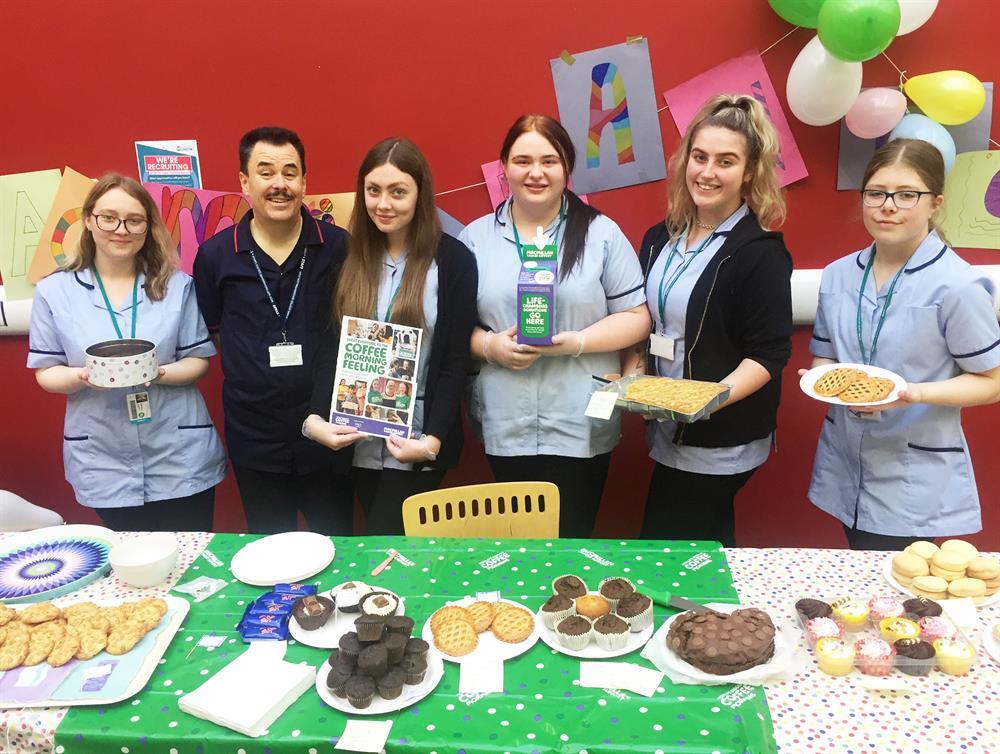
[(834, 381), (983, 567), (974, 588), (924, 549), (455, 637), (513, 626), (449, 612), (64, 650), (964, 550), (39, 613), (482, 615)]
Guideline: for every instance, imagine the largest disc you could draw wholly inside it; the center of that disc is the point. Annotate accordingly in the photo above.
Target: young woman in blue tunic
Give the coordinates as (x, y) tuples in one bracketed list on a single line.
[(910, 304)]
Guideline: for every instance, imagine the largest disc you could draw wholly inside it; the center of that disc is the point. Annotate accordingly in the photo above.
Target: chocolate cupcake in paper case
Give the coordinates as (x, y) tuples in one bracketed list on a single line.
[(611, 632), (916, 608), (416, 647), (556, 607), (570, 586), (637, 609), (414, 667), (574, 632), (914, 656), (395, 645), (340, 659), (809, 608), (614, 588), (360, 691), (336, 681), (312, 611), (349, 594), (381, 604), (390, 685), (373, 661), (399, 624), (350, 646), (369, 627)]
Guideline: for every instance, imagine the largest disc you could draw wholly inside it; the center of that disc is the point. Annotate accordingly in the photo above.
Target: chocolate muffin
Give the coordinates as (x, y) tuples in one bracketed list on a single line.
[(399, 624), (637, 609), (369, 627), (336, 681), (574, 632), (350, 646), (614, 589), (373, 661), (381, 604), (723, 644), (312, 611), (341, 659), (810, 608), (921, 607), (360, 691), (416, 647), (611, 632), (414, 667), (395, 645), (570, 586), (390, 685), (914, 657)]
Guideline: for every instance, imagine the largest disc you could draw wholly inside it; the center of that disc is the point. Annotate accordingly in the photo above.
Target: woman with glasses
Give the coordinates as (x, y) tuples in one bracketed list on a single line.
[(717, 287), (910, 304), (157, 473)]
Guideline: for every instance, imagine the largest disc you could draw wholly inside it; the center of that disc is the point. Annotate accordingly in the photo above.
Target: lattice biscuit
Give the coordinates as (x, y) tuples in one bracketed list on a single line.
[(449, 612), (859, 391), (482, 615), (836, 380), (882, 388), (455, 637), (513, 625), (684, 396)]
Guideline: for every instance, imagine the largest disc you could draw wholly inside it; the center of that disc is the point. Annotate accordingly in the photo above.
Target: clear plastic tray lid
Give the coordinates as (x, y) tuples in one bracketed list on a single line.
[(620, 386)]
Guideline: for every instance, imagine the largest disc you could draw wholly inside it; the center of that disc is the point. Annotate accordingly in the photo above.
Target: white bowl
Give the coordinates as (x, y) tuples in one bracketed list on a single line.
[(145, 561)]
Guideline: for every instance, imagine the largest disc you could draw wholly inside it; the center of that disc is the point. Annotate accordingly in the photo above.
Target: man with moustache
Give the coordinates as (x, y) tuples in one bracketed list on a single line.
[(264, 289)]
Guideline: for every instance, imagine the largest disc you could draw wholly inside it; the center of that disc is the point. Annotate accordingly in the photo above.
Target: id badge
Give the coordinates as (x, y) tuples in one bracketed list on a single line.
[(139, 411), (662, 346), (874, 416), (285, 354), (545, 253)]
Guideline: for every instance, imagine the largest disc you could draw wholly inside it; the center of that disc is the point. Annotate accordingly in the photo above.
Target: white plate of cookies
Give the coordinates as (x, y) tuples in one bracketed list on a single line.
[(852, 384), (991, 642), (953, 570), (501, 629)]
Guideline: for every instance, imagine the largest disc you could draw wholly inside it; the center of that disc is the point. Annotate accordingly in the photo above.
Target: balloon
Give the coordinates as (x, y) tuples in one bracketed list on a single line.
[(799, 12), (949, 97), (876, 112), (913, 14), (820, 88), (916, 126), (857, 30)]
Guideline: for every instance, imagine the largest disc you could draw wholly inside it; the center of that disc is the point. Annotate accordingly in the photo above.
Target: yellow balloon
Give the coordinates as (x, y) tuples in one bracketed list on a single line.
[(949, 97)]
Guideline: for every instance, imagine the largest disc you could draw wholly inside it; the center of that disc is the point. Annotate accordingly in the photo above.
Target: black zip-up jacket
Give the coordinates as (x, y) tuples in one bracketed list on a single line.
[(740, 308), (447, 372)]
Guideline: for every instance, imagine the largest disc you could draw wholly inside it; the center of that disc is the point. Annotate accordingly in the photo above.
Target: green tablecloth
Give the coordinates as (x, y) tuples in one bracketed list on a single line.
[(541, 709)]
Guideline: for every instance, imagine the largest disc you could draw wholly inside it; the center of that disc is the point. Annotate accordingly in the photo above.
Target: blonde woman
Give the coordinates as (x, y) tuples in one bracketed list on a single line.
[(153, 475), (718, 290)]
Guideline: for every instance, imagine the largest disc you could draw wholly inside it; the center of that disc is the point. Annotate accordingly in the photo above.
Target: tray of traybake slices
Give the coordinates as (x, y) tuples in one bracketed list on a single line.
[(667, 399), (885, 640)]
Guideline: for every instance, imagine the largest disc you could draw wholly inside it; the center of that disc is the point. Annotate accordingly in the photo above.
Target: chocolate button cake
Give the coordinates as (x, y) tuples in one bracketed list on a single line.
[(723, 644)]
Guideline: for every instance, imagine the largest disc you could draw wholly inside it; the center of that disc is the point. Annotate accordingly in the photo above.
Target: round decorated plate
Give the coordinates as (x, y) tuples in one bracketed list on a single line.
[(991, 643), (282, 558), (809, 379), (50, 562), (380, 706), (487, 643), (592, 652), (887, 573), (328, 635)]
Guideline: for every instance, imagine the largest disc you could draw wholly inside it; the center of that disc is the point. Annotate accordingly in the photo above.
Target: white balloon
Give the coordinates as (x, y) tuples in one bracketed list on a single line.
[(821, 88), (913, 14)]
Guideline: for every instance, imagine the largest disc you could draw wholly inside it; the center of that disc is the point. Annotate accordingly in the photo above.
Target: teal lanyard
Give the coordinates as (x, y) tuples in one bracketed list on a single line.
[(663, 294), (517, 238), (111, 312), (885, 309), (392, 302)]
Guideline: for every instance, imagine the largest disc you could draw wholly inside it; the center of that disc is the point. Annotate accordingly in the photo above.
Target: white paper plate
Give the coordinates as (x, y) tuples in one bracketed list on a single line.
[(810, 378), (282, 558), (592, 651), (380, 706), (488, 645), (679, 671), (328, 635), (887, 573), (990, 644)]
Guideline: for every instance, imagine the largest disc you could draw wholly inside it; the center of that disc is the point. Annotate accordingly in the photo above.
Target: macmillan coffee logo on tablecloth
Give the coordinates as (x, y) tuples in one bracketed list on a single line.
[(737, 696), (617, 694), (494, 561), (595, 557), (695, 562)]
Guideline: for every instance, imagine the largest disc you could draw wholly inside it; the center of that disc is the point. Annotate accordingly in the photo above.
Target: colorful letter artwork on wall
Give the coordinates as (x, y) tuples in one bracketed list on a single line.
[(608, 106)]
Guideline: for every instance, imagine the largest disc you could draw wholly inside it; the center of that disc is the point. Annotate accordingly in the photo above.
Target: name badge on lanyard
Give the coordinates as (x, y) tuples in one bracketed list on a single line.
[(285, 354), (661, 346), (137, 404)]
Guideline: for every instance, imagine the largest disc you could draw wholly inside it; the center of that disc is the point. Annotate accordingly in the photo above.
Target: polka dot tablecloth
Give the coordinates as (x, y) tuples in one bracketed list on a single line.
[(30, 731), (814, 712)]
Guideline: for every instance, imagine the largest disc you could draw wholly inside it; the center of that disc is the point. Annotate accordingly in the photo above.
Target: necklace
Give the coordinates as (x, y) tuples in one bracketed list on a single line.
[(705, 226)]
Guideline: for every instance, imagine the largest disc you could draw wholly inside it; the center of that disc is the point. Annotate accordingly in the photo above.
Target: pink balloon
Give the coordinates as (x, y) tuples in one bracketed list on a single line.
[(876, 112)]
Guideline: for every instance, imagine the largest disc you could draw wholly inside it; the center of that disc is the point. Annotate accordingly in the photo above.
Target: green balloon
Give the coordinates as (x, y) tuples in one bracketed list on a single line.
[(799, 12), (856, 30)]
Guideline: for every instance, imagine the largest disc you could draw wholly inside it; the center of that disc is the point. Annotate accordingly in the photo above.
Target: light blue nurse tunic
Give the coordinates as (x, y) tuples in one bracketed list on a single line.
[(908, 473), (110, 462), (540, 411)]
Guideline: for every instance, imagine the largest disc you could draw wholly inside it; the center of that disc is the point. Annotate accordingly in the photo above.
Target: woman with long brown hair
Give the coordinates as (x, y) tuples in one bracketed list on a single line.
[(402, 269), (152, 473)]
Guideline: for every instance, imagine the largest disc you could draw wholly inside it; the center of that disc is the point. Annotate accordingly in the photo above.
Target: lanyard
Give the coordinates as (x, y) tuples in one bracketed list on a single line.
[(885, 310), (291, 301), (677, 275), (392, 301), (517, 238), (111, 312)]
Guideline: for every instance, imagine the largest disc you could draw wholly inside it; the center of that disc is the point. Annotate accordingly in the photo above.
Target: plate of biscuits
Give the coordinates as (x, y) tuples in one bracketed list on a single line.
[(852, 384), (991, 642), (469, 628), (952, 570)]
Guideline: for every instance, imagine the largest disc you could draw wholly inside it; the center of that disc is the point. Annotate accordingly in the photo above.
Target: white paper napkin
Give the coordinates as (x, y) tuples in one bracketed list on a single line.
[(620, 675), (364, 735), (481, 675), (252, 691)]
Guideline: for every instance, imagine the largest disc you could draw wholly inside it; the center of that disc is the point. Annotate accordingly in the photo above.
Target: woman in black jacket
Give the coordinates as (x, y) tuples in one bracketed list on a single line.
[(401, 268), (718, 289)]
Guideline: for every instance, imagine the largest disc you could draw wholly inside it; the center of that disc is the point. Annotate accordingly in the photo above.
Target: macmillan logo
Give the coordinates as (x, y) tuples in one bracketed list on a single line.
[(494, 561), (595, 557), (695, 562)]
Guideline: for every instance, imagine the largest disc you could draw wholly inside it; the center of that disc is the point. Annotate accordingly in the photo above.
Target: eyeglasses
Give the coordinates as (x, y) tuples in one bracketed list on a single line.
[(110, 223), (902, 199)]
